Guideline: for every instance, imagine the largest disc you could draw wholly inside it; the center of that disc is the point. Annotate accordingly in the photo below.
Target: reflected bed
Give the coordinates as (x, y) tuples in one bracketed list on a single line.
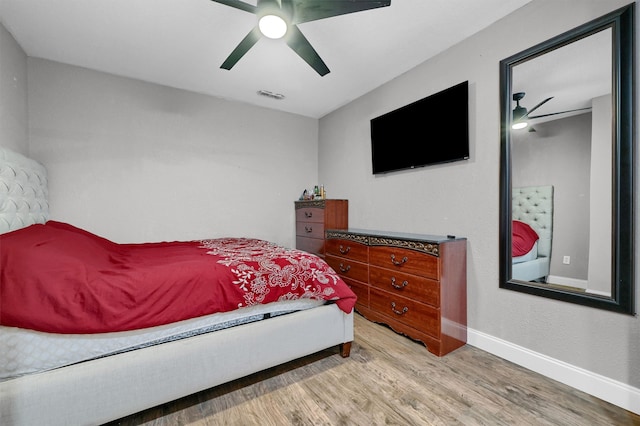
[(533, 205)]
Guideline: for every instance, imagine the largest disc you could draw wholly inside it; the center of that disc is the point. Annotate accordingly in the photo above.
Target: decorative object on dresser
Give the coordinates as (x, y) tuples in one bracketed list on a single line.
[(416, 284), (313, 217)]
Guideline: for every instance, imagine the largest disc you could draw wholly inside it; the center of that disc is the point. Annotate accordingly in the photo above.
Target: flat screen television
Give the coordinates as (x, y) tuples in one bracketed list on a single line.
[(433, 130)]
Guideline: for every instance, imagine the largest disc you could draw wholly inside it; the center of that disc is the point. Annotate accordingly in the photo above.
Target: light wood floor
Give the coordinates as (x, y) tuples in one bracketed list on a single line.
[(390, 380)]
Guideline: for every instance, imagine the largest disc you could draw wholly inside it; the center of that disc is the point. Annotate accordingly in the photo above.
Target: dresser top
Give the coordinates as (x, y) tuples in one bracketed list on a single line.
[(434, 239), (319, 203), (315, 200)]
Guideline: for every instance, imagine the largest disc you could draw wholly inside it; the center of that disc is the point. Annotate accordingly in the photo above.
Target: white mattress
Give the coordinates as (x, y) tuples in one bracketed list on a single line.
[(25, 351)]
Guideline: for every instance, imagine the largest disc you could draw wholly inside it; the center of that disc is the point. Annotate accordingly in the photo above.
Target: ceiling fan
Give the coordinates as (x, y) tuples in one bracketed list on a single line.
[(521, 115), (284, 16)]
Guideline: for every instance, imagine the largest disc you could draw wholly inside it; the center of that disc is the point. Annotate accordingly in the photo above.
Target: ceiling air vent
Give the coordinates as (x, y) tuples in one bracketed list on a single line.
[(269, 94)]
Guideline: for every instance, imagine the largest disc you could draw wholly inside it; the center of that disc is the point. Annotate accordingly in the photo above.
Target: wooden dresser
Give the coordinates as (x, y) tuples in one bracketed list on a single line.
[(416, 284), (313, 217)]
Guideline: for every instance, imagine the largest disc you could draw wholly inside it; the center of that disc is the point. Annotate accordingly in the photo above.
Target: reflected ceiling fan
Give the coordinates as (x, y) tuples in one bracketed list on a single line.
[(283, 16), (521, 116)]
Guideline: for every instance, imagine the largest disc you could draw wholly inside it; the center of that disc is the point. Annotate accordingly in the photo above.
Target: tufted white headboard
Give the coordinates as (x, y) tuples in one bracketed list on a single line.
[(23, 191), (533, 205)]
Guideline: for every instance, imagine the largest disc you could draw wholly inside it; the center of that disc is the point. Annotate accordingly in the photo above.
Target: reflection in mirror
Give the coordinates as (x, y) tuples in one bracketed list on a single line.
[(566, 198), (561, 166)]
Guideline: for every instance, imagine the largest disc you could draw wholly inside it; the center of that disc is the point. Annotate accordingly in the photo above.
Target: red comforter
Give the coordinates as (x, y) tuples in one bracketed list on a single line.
[(61, 279)]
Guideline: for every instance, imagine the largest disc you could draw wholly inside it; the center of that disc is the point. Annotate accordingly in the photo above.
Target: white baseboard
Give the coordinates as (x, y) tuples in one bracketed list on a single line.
[(599, 293), (571, 282), (617, 393)]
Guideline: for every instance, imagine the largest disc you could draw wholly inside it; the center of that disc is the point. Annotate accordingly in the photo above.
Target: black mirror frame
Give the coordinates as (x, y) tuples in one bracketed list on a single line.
[(623, 232)]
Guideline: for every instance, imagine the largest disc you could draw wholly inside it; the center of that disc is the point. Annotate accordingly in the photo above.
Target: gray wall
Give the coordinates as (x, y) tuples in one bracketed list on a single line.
[(13, 94), (135, 161), (462, 198)]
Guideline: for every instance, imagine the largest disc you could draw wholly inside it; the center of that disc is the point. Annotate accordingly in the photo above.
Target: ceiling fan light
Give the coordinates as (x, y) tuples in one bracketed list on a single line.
[(272, 26), (519, 125)]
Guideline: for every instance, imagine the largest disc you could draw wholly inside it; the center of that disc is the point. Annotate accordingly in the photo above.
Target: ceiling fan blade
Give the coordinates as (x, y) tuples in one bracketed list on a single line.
[(287, 7), (247, 43), (539, 105), (561, 112), (238, 5), (312, 10), (298, 42), (260, 4)]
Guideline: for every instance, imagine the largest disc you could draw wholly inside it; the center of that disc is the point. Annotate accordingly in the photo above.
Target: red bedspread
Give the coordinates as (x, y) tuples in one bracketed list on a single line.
[(61, 279)]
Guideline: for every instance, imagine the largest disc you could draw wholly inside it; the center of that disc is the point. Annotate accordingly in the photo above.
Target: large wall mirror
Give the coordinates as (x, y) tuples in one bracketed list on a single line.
[(566, 172)]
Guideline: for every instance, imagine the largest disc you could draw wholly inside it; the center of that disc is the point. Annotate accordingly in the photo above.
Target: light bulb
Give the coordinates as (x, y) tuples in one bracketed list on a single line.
[(519, 125), (272, 26)]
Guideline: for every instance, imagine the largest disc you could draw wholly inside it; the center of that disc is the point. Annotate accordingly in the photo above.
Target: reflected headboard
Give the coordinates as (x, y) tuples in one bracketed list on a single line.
[(533, 205), (23, 191)]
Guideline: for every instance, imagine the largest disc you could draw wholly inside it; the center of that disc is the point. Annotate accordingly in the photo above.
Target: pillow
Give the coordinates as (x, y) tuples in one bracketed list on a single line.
[(523, 238), (108, 244)]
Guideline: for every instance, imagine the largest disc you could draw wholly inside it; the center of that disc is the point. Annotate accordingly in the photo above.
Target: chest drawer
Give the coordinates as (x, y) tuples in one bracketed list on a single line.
[(405, 260), (349, 268), (411, 286), (311, 245), (310, 229), (348, 249), (310, 214), (414, 314)]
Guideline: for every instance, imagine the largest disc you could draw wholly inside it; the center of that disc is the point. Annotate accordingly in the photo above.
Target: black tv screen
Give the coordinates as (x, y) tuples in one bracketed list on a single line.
[(432, 130)]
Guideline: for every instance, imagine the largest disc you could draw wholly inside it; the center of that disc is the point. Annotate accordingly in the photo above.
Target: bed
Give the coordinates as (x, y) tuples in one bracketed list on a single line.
[(85, 359), (532, 232)]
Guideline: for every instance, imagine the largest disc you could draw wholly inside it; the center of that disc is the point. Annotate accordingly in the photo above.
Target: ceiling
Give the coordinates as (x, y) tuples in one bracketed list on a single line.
[(182, 43), (591, 56)]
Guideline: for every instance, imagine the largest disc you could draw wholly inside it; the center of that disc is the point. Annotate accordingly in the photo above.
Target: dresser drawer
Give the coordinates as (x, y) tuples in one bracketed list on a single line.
[(348, 249), (414, 314), (311, 245), (349, 268), (310, 229), (405, 260), (310, 214), (411, 286), (360, 289)]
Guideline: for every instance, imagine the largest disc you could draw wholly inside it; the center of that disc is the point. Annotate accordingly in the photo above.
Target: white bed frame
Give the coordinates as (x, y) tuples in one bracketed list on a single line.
[(533, 205), (106, 389)]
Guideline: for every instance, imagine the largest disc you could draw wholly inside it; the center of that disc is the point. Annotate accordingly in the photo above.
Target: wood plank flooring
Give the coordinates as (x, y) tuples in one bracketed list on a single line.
[(389, 380)]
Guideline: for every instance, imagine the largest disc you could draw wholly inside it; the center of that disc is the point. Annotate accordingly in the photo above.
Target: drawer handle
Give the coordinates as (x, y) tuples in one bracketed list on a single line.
[(343, 250), (308, 229), (395, 262), (397, 312), (308, 214), (396, 286), (343, 269)]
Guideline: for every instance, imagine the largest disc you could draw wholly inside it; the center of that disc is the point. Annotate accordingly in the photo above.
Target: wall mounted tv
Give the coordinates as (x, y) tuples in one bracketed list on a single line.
[(432, 130)]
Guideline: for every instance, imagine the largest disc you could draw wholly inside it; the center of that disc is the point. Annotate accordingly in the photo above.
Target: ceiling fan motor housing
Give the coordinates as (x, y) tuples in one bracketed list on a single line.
[(292, 13)]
